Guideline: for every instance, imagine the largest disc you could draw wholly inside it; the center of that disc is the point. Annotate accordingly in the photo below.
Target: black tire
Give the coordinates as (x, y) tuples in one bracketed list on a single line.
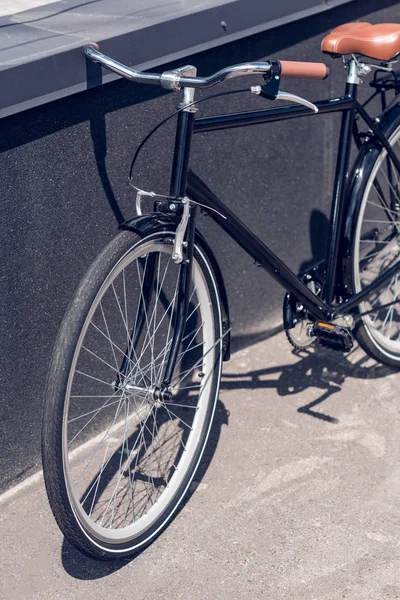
[(376, 246), (151, 478)]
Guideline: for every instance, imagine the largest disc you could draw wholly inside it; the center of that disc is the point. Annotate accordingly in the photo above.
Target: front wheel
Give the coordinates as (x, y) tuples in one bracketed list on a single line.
[(375, 248), (118, 457)]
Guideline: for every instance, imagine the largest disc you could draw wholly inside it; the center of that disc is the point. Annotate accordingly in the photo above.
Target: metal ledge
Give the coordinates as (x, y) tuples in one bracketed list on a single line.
[(40, 49)]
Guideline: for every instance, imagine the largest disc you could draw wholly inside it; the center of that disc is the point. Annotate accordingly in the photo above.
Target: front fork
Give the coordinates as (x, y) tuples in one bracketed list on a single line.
[(183, 244), (148, 285), (180, 317)]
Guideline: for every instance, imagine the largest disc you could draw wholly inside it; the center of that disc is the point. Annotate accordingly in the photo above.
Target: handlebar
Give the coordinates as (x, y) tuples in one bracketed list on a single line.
[(186, 76), (174, 80)]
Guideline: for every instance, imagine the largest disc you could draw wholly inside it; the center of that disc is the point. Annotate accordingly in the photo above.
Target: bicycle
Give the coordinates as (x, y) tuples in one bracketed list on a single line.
[(136, 368)]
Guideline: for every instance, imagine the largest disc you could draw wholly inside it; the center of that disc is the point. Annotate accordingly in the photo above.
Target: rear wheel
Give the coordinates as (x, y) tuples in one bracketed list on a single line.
[(118, 455), (376, 247)]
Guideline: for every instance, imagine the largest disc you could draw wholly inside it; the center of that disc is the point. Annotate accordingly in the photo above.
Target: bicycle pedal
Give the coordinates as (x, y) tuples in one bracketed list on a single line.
[(333, 336)]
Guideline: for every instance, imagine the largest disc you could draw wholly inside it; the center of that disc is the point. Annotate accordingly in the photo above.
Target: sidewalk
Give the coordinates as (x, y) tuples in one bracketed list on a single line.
[(300, 500)]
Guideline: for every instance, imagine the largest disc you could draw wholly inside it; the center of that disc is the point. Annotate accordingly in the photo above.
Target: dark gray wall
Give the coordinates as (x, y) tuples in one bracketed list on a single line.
[(63, 181)]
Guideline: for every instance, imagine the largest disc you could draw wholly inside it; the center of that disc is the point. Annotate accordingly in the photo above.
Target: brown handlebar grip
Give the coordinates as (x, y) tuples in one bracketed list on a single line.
[(303, 70)]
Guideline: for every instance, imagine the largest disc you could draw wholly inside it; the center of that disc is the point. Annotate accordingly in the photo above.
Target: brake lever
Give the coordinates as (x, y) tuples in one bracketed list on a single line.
[(270, 90), (258, 89)]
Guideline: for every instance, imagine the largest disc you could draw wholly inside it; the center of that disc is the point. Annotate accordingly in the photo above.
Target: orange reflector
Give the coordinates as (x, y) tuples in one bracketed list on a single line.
[(326, 325)]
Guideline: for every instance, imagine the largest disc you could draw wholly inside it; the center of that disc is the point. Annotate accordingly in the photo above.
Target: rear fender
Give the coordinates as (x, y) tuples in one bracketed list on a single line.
[(365, 161)]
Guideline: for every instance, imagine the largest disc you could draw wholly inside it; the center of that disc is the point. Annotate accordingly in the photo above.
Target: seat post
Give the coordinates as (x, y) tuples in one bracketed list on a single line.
[(352, 73)]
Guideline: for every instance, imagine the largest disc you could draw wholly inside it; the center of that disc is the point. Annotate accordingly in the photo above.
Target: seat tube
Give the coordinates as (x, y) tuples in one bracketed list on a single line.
[(179, 173), (339, 190)]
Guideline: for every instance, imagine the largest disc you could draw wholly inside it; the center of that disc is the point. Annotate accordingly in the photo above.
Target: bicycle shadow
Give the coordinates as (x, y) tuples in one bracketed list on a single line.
[(318, 368), (322, 369)]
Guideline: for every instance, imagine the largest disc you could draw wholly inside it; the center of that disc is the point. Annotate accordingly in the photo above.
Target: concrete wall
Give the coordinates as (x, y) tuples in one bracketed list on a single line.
[(63, 182)]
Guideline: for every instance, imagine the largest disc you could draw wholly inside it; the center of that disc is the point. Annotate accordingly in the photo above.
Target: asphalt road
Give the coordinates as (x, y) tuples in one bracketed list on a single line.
[(298, 496)]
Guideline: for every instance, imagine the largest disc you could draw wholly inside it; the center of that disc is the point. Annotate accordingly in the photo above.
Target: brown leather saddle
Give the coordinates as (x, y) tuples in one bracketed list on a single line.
[(381, 42)]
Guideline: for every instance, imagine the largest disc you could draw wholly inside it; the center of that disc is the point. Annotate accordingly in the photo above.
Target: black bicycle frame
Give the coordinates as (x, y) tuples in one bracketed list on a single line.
[(185, 182), (318, 306)]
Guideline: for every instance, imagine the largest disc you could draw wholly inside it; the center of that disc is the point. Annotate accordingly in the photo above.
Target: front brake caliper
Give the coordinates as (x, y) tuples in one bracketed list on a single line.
[(177, 253)]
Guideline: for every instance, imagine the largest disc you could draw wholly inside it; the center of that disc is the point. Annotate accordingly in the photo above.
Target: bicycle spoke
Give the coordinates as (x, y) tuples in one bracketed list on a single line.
[(377, 242), (377, 255), (171, 413), (171, 304), (390, 185), (148, 338), (182, 405), (95, 410), (111, 342), (100, 359), (383, 208), (108, 334), (107, 383), (122, 317), (113, 428), (95, 451)]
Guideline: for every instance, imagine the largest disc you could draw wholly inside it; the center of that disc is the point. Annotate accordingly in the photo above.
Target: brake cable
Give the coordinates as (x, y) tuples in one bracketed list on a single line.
[(180, 109)]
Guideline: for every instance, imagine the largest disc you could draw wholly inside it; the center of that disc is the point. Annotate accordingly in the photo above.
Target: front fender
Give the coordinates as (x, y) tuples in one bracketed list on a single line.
[(157, 221)]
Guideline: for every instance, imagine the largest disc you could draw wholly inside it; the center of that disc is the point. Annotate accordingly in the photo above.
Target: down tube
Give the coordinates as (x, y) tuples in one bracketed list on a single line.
[(219, 212)]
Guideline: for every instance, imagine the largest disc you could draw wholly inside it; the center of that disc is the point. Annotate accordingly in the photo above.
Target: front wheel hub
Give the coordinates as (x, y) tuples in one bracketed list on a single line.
[(153, 393), (164, 394)]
